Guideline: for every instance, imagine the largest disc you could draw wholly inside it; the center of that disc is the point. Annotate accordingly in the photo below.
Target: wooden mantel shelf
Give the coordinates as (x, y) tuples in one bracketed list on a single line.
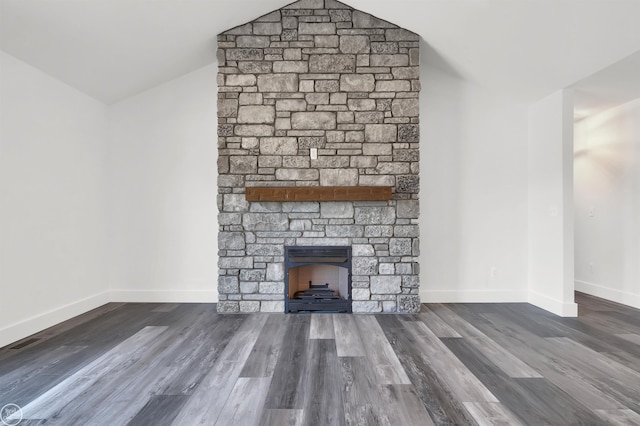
[(319, 193)]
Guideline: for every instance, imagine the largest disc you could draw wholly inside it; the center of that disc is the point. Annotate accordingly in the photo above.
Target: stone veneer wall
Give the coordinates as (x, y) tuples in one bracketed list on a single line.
[(318, 74)]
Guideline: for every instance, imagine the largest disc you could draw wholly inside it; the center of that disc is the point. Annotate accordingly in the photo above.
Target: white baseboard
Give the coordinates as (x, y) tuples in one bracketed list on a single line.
[(618, 296), (164, 296), (20, 330), (473, 296), (554, 306)]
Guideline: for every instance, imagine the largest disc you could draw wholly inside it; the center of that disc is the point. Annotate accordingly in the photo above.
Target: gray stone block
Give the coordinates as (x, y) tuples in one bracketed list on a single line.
[(381, 133), (291, 66), (340, 15), (300, 225), (231, 240), (278, 146), (235, 262), (253, 41), (267, 28), (320, 28), (408, 209), (228, 285), (408, 133), (406, 73), (301, 207), (338, 177), (249, 306), (336, 210), (362, 250), (355, 44), (400, 247), (275, 272), (243, 165), (227, 307), (256, 114), (265, 221), (404, 269), (369, 117), (291, 105), (384, 48), (317, 98), (412, 281), (252, 275), (269, 161), (235, 203), (378, 231), (399, 60), (357, 83), (255, 67), (409, 107), (360, 294), (265, 250), (409, 304), (295, 162), (297, 174), (393, 86), (407, 231), (408, 184), (386, 269), (332, 63), (375, 215), (389, 306), (306, 142), (327, 86), (272, 288), (265, 207), (229, 219), (385, 284), (225, 130), (331, 162), (227, 107), (327, 41), (248, 287), (364, 266), (363, 307), (392, 168), (349, 231), (278, 83), (322, 120), (245, 54), (254, 130)]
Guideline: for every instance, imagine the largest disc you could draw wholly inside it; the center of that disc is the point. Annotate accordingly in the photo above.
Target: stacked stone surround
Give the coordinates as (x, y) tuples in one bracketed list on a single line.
[(318, 75)]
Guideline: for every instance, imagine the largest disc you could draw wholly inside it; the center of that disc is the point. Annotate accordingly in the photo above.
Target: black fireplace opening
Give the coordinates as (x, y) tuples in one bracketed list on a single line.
[(317, 279)]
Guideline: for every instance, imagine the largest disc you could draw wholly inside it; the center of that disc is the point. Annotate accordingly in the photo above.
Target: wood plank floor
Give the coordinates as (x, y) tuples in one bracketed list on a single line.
[(462, 364)]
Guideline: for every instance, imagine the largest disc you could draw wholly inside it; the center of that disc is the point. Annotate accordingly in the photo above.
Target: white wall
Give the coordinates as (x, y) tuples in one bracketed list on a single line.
[(607, 204), (52, 201), (162, 192), (473, 195), (551, 204)]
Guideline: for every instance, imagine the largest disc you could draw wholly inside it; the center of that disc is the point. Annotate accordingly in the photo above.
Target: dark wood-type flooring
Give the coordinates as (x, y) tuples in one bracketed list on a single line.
[(464, 364)]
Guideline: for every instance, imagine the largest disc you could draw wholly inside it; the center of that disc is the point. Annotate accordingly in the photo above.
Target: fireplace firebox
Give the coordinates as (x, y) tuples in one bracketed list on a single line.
[(317, 279)]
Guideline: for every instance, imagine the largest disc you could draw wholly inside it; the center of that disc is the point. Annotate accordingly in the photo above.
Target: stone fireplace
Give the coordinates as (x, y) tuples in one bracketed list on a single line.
[(318, 136)]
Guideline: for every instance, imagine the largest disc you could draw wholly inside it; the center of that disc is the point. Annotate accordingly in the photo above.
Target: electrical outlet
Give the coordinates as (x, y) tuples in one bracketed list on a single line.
[(494, 271), (592, 211), (314, 153)]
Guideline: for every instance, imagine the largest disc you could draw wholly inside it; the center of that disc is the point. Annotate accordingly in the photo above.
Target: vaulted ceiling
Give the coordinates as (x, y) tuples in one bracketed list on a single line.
[(113, 49)]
